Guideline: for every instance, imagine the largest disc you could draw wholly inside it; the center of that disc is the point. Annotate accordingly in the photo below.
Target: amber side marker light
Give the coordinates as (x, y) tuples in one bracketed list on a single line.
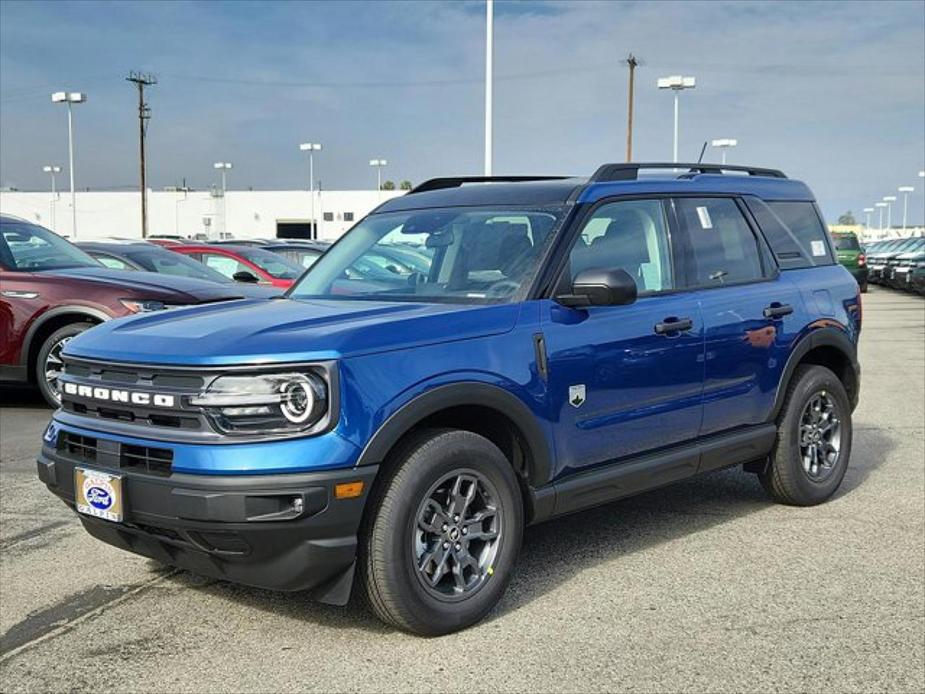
[(348, 490)]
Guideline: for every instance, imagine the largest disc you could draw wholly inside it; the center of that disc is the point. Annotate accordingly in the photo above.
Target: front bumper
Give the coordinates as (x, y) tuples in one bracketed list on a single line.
[(240, 528)]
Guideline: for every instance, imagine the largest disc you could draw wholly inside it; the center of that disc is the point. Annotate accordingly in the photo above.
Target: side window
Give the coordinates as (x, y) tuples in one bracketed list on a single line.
[(632, 235), (801, 220), (112, 262), (224, 264), (723, 248)]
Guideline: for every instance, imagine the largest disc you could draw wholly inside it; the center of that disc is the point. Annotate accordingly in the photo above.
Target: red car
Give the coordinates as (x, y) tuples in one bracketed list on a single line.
[(244, 263), (50, 291)]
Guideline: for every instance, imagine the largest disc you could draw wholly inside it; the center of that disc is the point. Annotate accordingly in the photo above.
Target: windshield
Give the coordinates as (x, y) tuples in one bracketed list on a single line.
[(271, 263), (459, 255), (170, 263), (25, 246), (846, 243)]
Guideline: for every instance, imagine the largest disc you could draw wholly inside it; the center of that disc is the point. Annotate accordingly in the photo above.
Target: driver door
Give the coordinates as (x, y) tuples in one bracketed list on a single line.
[(624, 380)]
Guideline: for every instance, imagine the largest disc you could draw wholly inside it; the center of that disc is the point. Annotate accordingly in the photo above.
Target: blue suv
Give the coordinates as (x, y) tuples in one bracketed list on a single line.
[(528, 347)]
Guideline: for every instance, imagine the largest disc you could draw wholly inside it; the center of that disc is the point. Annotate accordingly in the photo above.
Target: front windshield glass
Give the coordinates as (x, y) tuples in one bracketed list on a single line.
[(170, 263), (25, 246), (274, 265), (458, 255)]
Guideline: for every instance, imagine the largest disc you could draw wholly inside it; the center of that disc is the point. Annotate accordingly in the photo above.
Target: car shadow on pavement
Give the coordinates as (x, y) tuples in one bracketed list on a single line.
[(22, 396), (554, 552)]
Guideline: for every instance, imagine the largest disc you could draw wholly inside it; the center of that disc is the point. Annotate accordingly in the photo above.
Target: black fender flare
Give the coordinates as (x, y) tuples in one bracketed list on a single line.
[(458, 395), (820, 337), (75, 310)]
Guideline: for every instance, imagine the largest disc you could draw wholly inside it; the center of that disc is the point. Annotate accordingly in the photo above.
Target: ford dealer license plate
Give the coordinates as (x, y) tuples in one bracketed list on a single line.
[(98, 494)]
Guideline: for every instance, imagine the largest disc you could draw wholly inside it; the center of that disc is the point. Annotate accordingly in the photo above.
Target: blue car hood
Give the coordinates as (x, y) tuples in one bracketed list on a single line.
[(286, 330)]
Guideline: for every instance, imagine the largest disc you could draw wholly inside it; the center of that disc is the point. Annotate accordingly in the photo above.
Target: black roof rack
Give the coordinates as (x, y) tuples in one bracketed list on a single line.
[(630, 171), (456, 181)]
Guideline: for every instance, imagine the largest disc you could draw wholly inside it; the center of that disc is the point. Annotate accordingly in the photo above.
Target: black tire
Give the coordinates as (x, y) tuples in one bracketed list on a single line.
[(46, 387), (864, 287), (387, 556), (785, 477)]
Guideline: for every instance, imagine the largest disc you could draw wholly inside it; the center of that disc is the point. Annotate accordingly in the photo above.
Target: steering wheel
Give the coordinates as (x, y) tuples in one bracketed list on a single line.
[(503, 288)]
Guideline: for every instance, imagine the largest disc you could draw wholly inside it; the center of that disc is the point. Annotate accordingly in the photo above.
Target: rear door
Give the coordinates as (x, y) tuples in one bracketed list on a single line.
[(750, 311)]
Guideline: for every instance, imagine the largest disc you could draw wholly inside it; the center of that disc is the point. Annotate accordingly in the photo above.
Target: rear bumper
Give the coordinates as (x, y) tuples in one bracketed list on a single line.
[(240, 528)]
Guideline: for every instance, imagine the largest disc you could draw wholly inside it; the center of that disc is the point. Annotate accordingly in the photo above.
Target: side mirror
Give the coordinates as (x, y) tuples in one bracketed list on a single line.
[(601, 287), (245, 276)]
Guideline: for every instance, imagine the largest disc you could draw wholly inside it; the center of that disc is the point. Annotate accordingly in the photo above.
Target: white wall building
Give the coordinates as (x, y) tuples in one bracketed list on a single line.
[(241, 213)]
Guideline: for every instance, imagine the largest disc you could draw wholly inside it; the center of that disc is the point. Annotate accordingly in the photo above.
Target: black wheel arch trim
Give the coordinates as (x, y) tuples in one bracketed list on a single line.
[(820, 337), (57, 311), (460, 395)]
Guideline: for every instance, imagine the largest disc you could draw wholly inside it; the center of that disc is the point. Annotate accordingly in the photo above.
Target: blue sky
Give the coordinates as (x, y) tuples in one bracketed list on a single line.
[(833, 93)]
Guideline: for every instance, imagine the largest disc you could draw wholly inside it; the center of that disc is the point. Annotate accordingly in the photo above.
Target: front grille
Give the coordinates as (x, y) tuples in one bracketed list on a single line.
[(154, 461), (149, 460)]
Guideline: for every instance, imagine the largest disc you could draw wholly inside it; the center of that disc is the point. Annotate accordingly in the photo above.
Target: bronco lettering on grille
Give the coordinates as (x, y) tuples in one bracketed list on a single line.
[(117, 395)]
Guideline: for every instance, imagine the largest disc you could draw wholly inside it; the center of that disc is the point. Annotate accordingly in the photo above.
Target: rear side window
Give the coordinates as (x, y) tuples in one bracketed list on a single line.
[(723, 248), (794, 232)]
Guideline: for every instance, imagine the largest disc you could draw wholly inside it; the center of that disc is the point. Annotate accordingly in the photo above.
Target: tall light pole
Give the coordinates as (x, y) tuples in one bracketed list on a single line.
[(52, 169), (311, 148), (868, 211), (224, 167), (70, 98), (379, 163), (676, 83), (889, 200), (905, 190), (880, 206), (489, 77), (723, 144)]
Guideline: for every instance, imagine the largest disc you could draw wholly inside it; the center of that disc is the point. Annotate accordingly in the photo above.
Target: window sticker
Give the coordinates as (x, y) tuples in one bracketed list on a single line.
[(705, 221), (818, 248)]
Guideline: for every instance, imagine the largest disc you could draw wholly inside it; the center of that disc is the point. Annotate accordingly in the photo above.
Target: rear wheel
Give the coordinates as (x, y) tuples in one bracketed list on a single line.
[(48, 363), (863, 286), (813, 439), (439, 547)]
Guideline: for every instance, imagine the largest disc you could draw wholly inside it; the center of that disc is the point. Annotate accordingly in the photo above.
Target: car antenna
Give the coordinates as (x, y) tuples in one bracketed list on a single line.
[(702, 150)]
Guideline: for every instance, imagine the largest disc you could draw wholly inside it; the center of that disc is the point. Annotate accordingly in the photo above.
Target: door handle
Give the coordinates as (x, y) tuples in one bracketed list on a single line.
[(673, 325), (778, 310)]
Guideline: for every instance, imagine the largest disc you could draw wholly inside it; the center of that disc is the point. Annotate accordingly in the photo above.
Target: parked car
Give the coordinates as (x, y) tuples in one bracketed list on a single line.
[(878, 260), (50, 291), (167, 243), (244, 263), (575, 341), (900, 268), (851, 256), (151, 258), (303, 254), (239, 242)]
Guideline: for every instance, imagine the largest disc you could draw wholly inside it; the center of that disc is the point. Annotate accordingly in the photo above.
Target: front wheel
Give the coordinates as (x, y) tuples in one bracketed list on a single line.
[(814, 434), (49, 366), (440, 543)]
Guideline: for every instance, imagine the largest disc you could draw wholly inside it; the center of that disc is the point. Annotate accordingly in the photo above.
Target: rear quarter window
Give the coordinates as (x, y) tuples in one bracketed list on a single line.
[(794, 231)]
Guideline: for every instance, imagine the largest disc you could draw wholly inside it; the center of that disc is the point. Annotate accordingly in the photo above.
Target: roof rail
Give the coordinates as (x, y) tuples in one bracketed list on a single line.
[(456, 181), (630, 171)]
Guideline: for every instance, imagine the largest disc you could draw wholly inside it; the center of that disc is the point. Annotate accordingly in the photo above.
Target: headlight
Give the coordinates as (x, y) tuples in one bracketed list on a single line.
[(136, 306), (287, 402)]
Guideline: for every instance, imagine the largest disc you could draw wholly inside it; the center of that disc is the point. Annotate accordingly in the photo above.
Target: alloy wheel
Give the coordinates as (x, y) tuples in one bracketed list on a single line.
[(820, 436)]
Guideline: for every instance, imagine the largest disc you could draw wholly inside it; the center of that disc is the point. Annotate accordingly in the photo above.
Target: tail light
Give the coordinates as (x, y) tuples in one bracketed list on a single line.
[(862, 260)]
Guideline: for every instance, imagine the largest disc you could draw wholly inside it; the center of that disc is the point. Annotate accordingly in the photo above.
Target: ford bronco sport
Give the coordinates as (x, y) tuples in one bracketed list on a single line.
[(572, 342)]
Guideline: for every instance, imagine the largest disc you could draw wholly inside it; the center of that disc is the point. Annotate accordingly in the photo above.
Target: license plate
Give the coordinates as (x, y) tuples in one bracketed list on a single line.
[(98, 494)]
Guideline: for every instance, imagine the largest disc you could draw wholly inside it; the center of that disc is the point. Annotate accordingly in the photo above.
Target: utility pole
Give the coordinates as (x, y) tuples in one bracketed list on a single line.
[(632, 62), (144, 115)]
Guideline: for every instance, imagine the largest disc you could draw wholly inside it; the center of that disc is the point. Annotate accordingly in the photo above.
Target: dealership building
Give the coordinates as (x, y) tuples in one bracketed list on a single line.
[(197, 214)]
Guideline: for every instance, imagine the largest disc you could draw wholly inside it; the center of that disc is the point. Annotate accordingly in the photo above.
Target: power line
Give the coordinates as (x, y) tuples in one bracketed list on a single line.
[(144, 115)]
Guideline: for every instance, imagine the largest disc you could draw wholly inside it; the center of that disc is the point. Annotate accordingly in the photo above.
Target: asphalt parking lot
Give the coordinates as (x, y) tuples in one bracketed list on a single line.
[(704, 586)]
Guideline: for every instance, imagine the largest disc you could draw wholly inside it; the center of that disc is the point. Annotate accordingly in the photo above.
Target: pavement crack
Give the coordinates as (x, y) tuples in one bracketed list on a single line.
[(68, 613)]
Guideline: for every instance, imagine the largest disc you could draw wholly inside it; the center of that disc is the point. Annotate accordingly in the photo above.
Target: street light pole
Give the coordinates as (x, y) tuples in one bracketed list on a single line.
[(867, 211), (52, 169), (889, 199), (378, 163), (70, 98), (724, 144), (880, 206), (489, 60), (676, 83), (311, 148), (223, 166), (905, 190)]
